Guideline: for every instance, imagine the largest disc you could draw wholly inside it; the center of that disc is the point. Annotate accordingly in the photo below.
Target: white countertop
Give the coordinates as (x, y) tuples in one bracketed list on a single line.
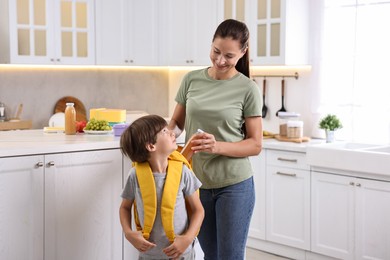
[(289, 146), (30, 142)]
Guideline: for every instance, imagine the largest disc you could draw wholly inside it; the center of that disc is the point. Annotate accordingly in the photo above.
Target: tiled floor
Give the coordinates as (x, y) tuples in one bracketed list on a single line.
[(252, 254)]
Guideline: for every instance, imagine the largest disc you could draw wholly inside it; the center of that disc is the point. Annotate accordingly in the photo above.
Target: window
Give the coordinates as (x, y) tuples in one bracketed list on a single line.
[(353, 60)]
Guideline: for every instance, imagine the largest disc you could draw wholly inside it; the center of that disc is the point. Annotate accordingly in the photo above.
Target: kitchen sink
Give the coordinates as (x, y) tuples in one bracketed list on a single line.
[(381, 149), (348, 146), (349, 156)]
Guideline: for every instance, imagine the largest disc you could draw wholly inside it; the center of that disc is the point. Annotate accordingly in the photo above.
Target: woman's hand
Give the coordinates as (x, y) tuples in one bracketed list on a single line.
[(204, 142)]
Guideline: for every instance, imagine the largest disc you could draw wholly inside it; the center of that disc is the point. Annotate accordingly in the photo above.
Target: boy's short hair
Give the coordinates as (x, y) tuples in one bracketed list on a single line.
[(139, 134)]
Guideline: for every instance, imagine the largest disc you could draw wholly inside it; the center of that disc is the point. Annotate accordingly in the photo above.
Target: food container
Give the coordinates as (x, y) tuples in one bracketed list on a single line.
[(119, 128), (295, 129), (285, 117), (112, 116)]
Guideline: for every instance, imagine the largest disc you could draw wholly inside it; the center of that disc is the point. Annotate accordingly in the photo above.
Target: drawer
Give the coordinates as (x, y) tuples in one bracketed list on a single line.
[(288, 159)]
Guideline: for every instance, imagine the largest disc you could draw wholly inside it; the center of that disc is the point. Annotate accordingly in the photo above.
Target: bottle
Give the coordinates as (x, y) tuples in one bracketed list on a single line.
[(70, 119), (2, 112)]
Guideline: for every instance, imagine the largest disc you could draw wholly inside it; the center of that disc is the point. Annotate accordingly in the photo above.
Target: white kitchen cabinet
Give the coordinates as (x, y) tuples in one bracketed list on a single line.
[(129, 252), (82, 199), (127, 32), (21, 208), (279, 32), (235, 9), (257, 225), (350, 217), (50, 32), (188, 27), (278, 29), (288, 199)]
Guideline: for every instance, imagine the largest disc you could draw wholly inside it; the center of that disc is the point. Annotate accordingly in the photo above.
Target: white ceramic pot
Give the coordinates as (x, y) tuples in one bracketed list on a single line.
[(329, 136)]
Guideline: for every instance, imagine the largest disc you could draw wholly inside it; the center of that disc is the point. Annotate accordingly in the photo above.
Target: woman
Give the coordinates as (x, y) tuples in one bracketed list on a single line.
[(223, 101)]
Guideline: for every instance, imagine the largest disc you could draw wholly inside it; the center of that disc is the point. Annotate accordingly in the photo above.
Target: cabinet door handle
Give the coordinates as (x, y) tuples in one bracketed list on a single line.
[(287, 160), (39, 164), (351, 183), (50, 164), (358, 185), (287, 174)]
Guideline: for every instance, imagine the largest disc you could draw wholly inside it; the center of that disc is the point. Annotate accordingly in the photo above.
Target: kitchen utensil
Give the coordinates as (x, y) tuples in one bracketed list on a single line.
[(60, 106), (283, 109), (265, 108), (16, 118)]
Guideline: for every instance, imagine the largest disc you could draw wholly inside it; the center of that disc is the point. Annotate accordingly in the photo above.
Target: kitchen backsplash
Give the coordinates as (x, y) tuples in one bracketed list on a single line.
[(149, 89), (39, 88)]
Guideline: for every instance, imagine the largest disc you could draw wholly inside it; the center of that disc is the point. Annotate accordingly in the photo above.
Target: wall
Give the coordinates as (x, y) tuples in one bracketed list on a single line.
[(297, 94), (39, 88)]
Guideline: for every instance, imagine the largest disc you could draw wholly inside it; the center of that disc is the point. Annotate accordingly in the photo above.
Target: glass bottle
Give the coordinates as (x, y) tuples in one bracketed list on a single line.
[(2, 112), (70, 119)]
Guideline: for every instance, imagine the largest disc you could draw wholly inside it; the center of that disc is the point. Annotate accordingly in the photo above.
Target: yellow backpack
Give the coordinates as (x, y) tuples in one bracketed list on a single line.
[(149, 196)]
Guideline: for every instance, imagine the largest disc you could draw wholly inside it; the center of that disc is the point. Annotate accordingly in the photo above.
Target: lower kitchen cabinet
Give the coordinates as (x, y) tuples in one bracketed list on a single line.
[(288, 199), (281, 219), (129, 252), (61, 206), (82, 199), (21, 208), (257, 226), (350, 217)]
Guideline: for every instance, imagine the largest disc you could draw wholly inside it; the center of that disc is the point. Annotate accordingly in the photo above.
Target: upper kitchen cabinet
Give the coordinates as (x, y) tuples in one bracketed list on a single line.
[(127, 32), (49, 32), (279, 29), (279, 32), (188, 27), (236, 9)]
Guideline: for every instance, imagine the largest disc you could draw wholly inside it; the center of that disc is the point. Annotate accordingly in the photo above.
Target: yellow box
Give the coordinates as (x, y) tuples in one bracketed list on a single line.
[(110, 115)]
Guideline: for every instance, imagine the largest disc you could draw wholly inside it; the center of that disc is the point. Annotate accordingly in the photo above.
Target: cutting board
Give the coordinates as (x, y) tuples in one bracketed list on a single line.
[(60, 106), (13, 125), (294, 140)]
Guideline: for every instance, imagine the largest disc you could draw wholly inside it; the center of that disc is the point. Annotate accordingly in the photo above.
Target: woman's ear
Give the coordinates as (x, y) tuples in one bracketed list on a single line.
[(244, 51)]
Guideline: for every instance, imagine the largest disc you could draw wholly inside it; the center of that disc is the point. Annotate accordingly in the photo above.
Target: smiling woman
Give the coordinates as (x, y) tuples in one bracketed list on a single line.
[(353, 57)]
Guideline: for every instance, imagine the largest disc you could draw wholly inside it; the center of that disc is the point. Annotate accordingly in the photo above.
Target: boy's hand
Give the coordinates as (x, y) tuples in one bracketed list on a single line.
[(178, 247), (138, 241)]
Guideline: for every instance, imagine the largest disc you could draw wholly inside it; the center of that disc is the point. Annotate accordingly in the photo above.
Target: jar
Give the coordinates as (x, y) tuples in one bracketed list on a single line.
[(285, 117), (70, 119), (294, 129), (2, 112)]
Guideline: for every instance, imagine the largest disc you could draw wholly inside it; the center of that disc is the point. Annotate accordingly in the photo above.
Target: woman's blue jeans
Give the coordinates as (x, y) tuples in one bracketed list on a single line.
[(228, 212)]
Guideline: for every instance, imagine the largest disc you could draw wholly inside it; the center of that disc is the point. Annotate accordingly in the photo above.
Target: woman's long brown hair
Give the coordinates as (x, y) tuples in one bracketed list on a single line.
[(237, 31)]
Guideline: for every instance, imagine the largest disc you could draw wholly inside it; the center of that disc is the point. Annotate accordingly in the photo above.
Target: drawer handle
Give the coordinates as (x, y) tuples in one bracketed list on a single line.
[(50, 164), (287, 174), (287, 160), (39, 164)]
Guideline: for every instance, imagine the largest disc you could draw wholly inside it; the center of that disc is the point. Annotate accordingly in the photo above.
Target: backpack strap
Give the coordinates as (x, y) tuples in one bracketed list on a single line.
[(168, 200), (148, 194)]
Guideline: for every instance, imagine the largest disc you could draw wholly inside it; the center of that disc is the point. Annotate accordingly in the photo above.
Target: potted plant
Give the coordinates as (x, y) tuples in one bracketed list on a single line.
[(330, 123)]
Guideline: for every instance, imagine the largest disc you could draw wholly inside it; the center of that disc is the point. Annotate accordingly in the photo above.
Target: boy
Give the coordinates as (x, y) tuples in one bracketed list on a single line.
[(161, 186)]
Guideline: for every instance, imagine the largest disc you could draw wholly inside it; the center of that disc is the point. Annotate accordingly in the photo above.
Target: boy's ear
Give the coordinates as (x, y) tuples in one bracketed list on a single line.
[(150, 147)]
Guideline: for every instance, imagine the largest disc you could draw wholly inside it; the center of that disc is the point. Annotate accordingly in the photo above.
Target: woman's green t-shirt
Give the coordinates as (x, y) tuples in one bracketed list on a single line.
[(219, 107)]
